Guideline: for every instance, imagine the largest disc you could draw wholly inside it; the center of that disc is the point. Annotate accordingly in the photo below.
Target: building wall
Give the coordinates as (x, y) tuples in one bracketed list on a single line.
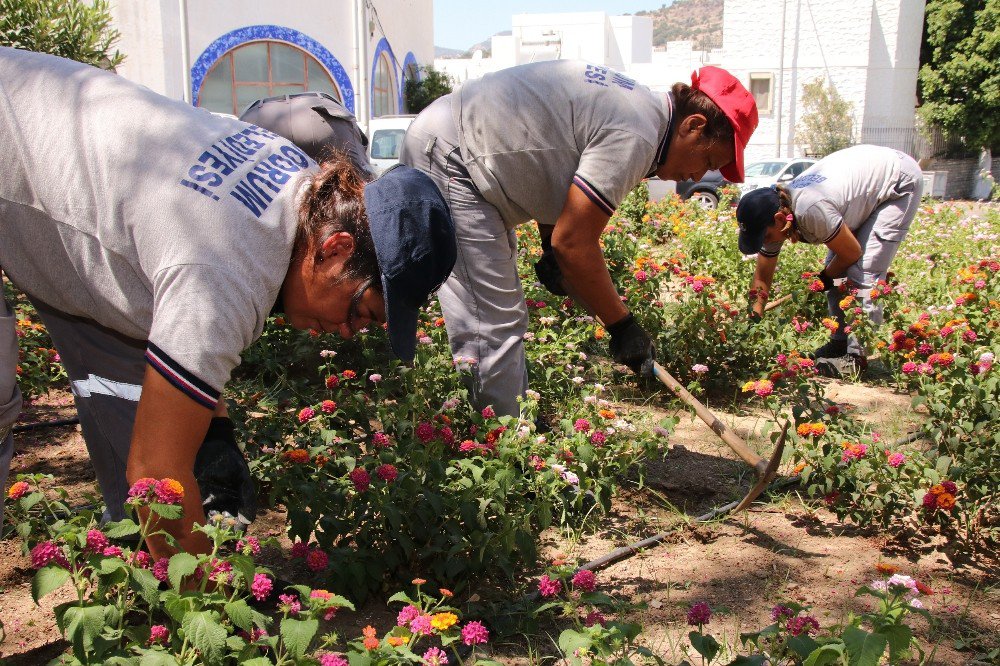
[(153, 39)]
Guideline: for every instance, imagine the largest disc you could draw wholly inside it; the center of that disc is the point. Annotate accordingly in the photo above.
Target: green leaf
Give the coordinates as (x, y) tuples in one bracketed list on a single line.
[(298, 634), (243, 616), (864, 649), (47, 580), (145, 583), (570, 642), (704, 644), (205, 633), (83, 624), (830, 653), (121, 529), (750, 660), (158, 658), (167, 511), (181, 565), (802, 645), (401, 597), (257, 661), (110, 565), (899, 637)]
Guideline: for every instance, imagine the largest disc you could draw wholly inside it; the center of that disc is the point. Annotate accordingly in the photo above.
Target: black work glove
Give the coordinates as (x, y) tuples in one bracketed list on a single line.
[(548, 271), (826, 280), (753, 315), (632, 346), (224, 477)]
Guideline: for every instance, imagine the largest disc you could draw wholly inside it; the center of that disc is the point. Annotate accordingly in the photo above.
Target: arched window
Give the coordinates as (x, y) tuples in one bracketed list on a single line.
[(262, 69), (384, 88), (410, 73)]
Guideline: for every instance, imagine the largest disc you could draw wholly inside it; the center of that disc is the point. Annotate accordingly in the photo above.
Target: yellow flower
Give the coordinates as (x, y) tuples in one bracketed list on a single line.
[(749, 386), (442, 621), (395, 641)]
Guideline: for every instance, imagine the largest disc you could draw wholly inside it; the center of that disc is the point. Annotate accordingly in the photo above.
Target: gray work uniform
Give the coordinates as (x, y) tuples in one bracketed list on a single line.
[(505, 149), (148, 233), (316, 123), (875, 191)]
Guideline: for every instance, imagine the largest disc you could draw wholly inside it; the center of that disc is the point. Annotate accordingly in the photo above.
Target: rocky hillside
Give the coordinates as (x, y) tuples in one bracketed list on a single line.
[(697, 20)]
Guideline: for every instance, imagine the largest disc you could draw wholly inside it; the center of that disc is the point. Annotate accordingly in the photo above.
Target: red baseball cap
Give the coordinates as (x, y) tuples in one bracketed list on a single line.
[(739, 106)]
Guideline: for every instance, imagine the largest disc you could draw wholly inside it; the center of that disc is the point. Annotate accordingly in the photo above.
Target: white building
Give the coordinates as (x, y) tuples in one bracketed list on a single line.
[(224, 54), (868, 50)]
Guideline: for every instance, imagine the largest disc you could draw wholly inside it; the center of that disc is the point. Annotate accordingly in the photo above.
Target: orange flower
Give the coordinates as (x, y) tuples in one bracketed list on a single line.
[(371, 643), (395, 641), (599, 333), (798, 468), (368, 632), (946, 501), (418, 581), (299, 456), (924, 588), (937, 489), (446, 593), (607, 413), (885, 568)]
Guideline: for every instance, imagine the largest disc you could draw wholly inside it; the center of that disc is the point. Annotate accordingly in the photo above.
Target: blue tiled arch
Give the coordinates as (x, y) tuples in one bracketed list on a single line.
[(383, 46), (410, 59), (254, 33)]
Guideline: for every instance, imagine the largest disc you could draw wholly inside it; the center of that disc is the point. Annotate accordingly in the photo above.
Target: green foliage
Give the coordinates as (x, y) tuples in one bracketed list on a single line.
[(72, 29), (960, 72), (827, 124), (420, 92)]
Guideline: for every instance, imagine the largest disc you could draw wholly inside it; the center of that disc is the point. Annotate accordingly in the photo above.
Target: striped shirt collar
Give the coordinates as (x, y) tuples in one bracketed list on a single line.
[(661, 151)]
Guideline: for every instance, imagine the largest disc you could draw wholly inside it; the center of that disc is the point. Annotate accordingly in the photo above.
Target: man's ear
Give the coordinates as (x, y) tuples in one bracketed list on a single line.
[(339, 244), (693, 125)]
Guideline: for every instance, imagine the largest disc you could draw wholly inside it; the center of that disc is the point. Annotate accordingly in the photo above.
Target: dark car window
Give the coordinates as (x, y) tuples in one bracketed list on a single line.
[(798, 168)]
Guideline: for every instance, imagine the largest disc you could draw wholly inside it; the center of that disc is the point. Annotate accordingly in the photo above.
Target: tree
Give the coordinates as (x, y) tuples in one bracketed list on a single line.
[(420, 92), (827, 124), (73, 29), (960, 73)]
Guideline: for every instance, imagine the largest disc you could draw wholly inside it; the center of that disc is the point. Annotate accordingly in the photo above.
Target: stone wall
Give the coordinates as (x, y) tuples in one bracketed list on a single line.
[(962, 175)]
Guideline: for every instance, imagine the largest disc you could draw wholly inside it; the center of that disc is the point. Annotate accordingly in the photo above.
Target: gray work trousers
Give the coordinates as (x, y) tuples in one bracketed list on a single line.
[(106, 371), (483, 303), (10, 394), (879, 236)]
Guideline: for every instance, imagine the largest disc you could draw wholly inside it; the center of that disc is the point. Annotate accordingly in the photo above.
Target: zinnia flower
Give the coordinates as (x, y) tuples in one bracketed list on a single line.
[(582, 425), (896, 459), (306, 414), (699, 614), (327, 407)]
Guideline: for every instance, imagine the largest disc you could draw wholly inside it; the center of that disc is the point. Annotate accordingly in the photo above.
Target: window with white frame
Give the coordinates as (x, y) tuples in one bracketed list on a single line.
[(761, 87)]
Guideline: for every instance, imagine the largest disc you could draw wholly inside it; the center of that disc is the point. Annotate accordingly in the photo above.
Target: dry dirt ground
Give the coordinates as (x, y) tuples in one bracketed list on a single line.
[(741, 565)]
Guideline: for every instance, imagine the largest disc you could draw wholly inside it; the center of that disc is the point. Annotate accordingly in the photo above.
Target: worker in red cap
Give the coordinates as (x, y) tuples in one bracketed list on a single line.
[(560, 142)]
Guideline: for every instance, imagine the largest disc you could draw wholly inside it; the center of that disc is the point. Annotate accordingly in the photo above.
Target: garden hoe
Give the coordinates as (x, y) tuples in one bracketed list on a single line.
[(765, 469)]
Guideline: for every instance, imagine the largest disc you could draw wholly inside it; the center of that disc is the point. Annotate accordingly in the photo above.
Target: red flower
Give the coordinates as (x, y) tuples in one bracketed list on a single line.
[(387, 473), (348, 374), (328, 406), (585, 580), (317, 560), (360, 478), (332, 381), (549, 587)]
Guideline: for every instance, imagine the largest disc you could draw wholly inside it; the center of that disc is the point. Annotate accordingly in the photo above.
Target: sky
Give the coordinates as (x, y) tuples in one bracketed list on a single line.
[(458, 24)]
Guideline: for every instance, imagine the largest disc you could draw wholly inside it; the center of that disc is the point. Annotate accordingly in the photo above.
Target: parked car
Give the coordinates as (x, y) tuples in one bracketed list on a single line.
[(704, 191), (765, 173), (385, 138)]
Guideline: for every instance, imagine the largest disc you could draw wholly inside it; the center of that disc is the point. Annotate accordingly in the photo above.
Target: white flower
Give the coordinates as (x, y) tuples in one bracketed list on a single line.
[(540, 439), (547, 321), (523, 431), (916, 603), (577, 380), (699, 368), (425, 340), (590, 399), (570, 477), (375, 378), (583, 357), (328, 353), (534, 395), (599, 388), (902, 581), (529, 336)]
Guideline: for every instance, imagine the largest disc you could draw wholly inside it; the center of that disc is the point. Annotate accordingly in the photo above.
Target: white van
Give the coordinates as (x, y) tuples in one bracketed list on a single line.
[(385, 138)]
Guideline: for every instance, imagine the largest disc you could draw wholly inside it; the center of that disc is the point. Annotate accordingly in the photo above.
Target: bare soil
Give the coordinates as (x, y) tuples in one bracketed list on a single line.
[(741, 565)]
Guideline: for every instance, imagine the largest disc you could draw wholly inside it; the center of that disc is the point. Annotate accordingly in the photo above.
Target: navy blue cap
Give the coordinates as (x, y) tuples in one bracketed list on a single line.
[(415, 246), (755, 214)]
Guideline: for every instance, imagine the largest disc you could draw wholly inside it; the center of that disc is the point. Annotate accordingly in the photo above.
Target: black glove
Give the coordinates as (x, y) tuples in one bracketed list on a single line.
[(826, 280), (632, 346), (548, 271), (224, 477), (753, 315)]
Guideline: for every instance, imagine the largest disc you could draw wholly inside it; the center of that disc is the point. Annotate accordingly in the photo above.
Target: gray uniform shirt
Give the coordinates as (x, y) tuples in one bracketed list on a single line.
[(153, 218), (844, 187), (528, 133)]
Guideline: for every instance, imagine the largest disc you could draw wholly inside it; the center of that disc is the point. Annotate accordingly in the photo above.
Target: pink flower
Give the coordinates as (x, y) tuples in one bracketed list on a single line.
[(803, 624), (96, 541), (909, 368), (387, 473), (331, 659), (158, 635), (160, 569), (585, 580), (375, 378), (549, 587), (780, 611), (896, 459), (306, 414), (360, 478), (291, 602), (261, 587), (327, 407), (380, 440), (169, 491), (249, 547), (475, 633), (18, 489), (421, 625), (598, 438), (594, 618), (435, 657), (970, 336), (425, 432), (141, 488), (47, 552), (764, 388), (142, 559), (699, 614), (317, 560), (641, 276), (699, 368), (582, 425), (112, 551), (488, 412), (299, 549), (407, 615)]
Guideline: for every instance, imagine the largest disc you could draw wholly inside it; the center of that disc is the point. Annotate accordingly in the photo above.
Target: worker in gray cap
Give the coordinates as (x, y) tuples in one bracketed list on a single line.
[(315, 122)]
